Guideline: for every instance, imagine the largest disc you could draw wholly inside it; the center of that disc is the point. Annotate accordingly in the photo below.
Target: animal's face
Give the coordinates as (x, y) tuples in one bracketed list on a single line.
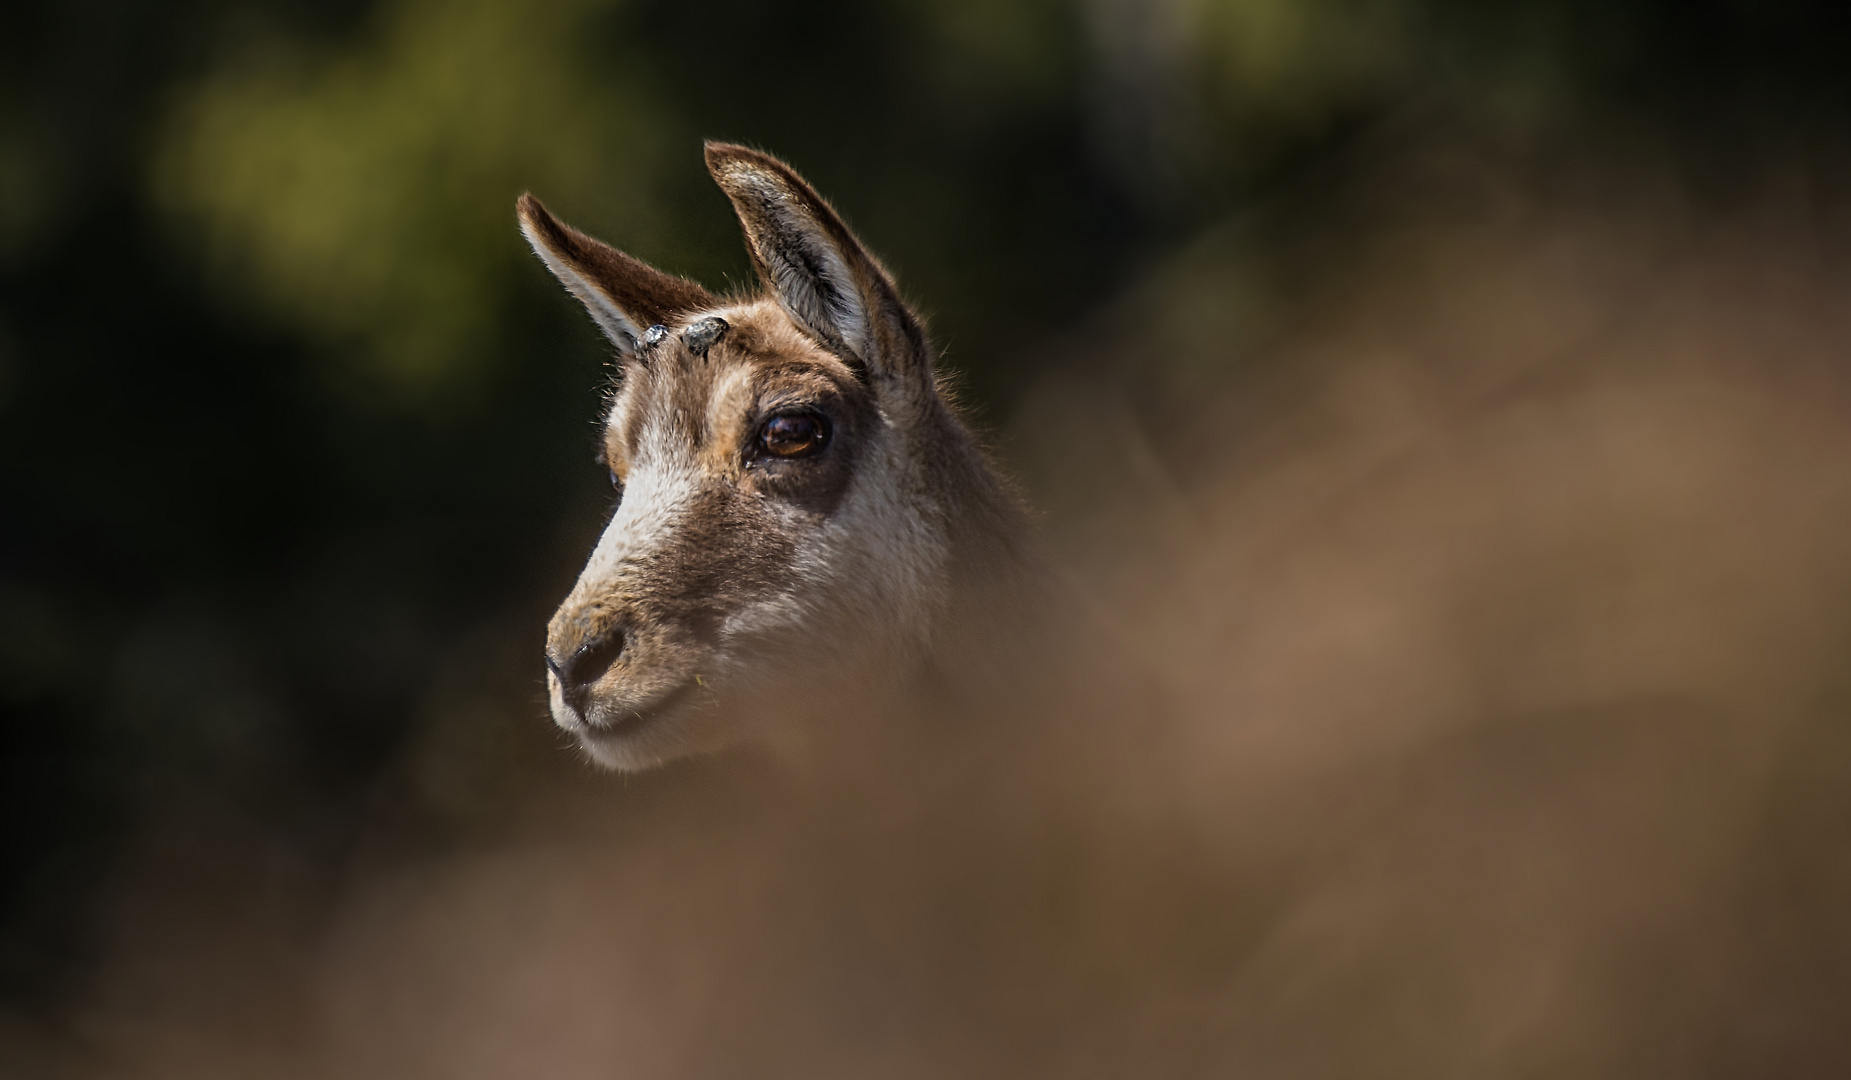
[(723, 585), (770, 544)]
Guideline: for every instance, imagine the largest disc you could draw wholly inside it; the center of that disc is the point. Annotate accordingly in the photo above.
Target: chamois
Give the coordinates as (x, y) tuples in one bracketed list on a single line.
[(803, 519)]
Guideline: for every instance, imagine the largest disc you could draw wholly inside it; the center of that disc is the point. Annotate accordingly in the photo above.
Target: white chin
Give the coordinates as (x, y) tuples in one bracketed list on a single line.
[(618, 754), (628, 740), (637, 743)]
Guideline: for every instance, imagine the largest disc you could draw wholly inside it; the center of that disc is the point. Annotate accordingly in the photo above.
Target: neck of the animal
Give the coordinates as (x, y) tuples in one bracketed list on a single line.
[(993, 583)]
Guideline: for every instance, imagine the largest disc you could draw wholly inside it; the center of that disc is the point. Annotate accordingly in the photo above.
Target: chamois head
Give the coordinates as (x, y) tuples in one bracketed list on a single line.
[(786, 475)]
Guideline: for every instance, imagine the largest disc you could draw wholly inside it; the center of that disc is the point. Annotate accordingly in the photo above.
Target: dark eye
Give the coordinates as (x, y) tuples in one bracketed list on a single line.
[(793, 435), (616, 483)]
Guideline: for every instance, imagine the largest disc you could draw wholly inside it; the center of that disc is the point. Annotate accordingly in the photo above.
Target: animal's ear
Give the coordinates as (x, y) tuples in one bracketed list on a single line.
[(816, 268), (625, 295)]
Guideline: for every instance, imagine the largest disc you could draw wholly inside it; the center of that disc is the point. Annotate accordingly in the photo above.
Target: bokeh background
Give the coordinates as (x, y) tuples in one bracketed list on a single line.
[(296, 439)]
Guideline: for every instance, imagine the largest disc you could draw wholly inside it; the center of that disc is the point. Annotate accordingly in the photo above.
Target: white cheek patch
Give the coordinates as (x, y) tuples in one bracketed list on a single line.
[(875, 571)]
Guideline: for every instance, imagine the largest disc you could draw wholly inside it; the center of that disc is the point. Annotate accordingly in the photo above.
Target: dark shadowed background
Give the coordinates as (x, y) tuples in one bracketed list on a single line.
[(296, 441)]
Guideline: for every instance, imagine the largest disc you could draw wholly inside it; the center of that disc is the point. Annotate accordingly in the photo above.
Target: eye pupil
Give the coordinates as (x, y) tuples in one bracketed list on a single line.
[(788, 436)]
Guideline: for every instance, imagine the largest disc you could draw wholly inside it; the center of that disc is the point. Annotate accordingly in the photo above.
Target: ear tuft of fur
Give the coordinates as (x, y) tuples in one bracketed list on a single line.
[(622, 293)]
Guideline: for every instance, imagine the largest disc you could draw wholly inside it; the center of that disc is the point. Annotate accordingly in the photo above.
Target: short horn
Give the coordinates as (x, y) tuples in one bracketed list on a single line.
[(701, 336)]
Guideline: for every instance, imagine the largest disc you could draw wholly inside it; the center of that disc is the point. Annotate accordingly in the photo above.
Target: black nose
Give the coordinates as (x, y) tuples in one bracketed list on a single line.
[(586, 665)]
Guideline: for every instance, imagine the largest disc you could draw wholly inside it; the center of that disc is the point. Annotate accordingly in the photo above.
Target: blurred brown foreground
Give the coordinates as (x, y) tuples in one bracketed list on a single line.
[(1461, 692)]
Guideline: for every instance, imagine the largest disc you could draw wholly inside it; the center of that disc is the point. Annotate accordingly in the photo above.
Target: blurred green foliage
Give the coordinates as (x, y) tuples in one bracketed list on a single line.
[(290, 423), (356, 186), (362, 191)]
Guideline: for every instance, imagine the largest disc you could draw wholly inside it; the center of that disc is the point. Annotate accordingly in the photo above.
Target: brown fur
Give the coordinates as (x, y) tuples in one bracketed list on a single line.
[(733, 587)]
